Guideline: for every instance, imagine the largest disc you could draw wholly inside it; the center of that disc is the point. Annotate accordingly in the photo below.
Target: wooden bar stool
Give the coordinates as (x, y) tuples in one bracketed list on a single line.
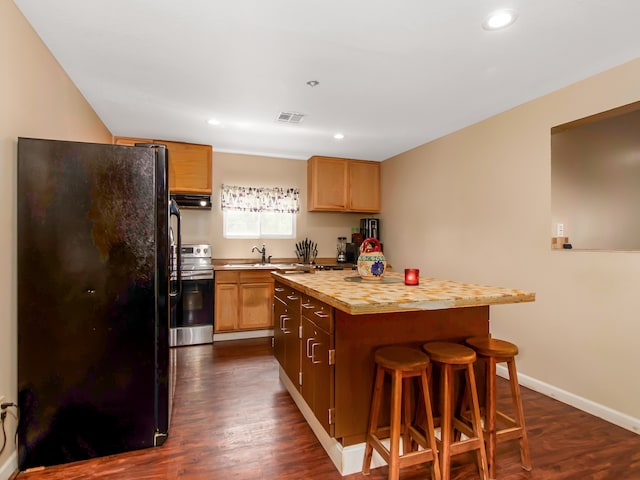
[(453, 357), (494, 351), (402, 364)]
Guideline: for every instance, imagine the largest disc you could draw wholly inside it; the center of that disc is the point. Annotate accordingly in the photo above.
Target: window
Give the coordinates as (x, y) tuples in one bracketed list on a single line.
[(250, 212)]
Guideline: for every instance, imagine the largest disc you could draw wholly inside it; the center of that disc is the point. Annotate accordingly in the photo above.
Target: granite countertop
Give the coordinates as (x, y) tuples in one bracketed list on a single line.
[(345, 291)]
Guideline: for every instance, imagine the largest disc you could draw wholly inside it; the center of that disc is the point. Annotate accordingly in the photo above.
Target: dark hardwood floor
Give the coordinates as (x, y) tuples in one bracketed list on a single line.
[(233, 420)]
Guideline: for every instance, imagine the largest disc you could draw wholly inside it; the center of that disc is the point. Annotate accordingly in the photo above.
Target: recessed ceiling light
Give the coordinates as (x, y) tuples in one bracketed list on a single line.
[(339, 136), (499, 19), (214, 122), (313, 83)]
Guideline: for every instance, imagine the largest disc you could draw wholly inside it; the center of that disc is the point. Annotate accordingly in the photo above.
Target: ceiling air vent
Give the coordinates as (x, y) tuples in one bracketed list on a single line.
[(290, 117)]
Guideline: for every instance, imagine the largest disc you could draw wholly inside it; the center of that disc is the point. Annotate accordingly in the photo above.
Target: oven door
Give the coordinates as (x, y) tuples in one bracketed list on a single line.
[(192, 323)]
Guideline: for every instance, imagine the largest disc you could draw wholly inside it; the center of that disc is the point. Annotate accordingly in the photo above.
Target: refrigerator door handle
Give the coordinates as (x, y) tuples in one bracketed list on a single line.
[(175, 295)]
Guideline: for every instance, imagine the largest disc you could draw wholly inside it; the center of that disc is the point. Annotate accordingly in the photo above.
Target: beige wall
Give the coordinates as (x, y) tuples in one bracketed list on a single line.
[(475, 206), (204, 226), (37, 99)]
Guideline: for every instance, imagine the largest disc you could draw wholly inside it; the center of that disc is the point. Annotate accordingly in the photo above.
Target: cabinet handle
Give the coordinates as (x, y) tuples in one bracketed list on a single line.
[(292, 297), (283, 327), (279, 289), (313, 353), (320, 314), (309, 340), (307, 305)]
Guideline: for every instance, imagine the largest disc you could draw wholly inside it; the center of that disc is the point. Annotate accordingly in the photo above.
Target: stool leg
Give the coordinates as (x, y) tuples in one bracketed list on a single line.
[(490, 415), (395, 418), (373, 419), (430, 429), (445, 422), (517, 403), (406, 412), (477, 425)]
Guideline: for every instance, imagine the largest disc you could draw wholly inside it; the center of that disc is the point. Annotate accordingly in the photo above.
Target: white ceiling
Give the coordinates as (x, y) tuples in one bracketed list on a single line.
[(393, 74)]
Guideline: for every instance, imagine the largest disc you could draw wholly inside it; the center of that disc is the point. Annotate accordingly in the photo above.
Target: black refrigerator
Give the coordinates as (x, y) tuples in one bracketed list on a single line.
[(94, 299)]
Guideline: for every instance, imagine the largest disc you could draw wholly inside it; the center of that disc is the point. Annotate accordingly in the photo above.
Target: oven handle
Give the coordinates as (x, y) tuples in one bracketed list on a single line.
[(177, 294), (197, 276)]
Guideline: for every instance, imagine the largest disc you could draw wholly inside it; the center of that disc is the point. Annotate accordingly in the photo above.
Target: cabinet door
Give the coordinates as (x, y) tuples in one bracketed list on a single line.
[(226, 307), (327, 184), (189, 167), (131, 142), (255, 306), (189, 164), (286, 331), (292, 338), (280, 314), (317, 372), (364, 186)]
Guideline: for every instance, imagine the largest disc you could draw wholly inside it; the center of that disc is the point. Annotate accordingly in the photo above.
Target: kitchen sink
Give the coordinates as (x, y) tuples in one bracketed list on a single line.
[(270, 266)]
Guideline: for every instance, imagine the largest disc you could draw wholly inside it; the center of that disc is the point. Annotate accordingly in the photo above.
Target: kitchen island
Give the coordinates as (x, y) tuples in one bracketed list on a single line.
[(327, 326)]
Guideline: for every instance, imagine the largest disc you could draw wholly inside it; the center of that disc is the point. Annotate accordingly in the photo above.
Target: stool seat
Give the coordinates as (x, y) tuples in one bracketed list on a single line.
[(452, 358), (401, 358), (450, 353), (492, 351), (402, 364), (492, 347)]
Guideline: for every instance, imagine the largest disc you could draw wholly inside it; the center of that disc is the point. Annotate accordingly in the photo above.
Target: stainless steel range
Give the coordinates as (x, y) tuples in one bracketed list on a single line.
[(192, 322)]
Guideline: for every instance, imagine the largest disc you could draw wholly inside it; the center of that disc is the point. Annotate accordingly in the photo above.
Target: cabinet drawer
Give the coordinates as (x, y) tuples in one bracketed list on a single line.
[(226, 277), (318, 312), (287, 294), (253, 276)]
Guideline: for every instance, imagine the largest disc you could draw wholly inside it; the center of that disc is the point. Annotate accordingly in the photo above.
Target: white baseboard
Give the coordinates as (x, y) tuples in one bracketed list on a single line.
[(612, 416), (220, 337), (9, 466), (347, 460)]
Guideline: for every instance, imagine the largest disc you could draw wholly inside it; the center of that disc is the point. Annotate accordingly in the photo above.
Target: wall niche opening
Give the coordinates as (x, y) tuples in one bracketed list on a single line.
[(595, 180)]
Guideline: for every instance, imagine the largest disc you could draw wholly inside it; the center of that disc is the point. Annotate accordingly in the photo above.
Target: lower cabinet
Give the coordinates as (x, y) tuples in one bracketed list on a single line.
[(286, 331), (304, 347), (243, 300)]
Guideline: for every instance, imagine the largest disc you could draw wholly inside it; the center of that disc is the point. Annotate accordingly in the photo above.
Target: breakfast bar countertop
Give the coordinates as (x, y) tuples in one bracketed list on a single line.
[(344, 290)]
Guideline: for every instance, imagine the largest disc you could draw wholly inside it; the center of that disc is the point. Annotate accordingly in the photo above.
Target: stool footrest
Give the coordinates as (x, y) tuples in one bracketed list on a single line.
[(509, 434), (466, 445), (506, 418)]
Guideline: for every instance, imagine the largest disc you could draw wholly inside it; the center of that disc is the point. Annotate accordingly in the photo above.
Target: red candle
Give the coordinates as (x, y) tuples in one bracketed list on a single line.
[(411, 276)]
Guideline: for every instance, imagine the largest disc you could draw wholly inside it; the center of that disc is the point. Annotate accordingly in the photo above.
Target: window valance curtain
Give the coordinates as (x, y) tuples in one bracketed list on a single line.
[(260, 199)]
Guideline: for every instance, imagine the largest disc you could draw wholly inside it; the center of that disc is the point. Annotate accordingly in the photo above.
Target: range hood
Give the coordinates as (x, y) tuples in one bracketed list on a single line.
[(202, 202)]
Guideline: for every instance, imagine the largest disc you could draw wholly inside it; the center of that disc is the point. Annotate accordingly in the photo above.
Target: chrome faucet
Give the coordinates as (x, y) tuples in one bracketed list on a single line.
[(263, 252)]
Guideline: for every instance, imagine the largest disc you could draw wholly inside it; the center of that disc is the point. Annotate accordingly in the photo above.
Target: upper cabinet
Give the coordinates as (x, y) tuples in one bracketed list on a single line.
[(189, 164), (343, 185)]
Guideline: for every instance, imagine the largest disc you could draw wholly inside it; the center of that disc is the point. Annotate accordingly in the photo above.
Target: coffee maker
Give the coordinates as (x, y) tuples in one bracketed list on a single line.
[(369, 228)]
